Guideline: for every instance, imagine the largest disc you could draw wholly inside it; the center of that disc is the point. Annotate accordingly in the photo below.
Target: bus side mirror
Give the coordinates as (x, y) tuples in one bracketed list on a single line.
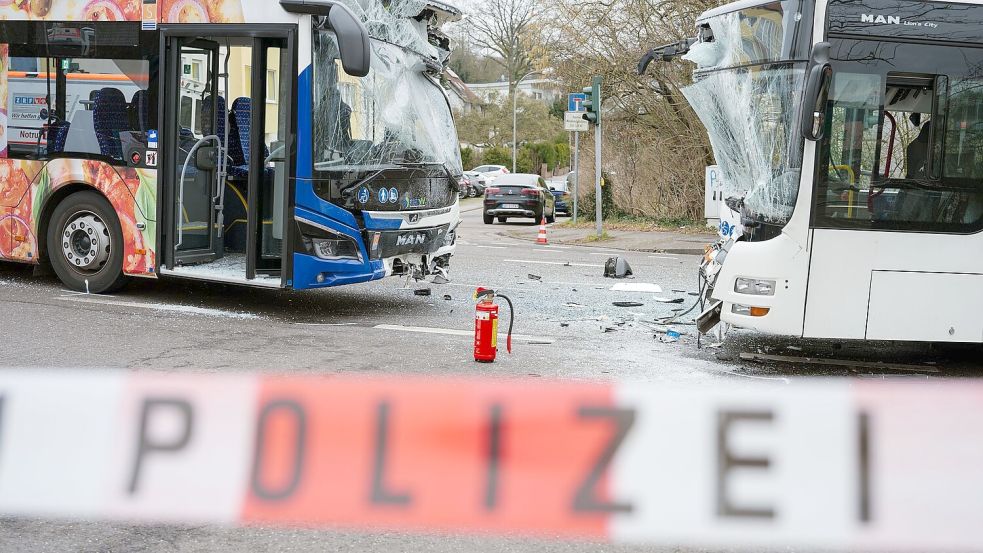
[(816, 95), (353, 39)]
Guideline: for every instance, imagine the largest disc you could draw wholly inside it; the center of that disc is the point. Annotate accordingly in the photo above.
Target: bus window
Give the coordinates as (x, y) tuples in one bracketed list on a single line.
[(88, 92), (904, 151), (851, 144)]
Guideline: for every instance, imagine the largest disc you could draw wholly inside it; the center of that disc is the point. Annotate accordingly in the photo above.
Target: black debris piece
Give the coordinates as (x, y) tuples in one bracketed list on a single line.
[(447, 297), (628, 304), (535, 277), (423, 292)]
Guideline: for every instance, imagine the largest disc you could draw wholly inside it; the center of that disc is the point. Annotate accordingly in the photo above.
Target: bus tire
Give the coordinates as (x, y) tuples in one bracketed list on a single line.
[(85, 244)]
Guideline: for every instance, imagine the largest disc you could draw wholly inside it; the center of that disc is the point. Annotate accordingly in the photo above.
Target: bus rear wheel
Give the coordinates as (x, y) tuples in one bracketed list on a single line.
[(85, 244)]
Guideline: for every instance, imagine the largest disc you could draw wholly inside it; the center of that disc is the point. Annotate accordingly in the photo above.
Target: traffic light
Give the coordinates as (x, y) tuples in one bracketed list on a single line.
[(593, 101)]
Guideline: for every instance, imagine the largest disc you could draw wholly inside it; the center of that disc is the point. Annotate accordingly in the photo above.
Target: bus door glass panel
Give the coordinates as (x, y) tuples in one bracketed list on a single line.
[(851, 145), (274, 97), (195, 170)]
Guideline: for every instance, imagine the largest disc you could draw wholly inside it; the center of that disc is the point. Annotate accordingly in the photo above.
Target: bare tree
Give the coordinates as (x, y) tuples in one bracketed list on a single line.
[(657, 147), (506, 31)]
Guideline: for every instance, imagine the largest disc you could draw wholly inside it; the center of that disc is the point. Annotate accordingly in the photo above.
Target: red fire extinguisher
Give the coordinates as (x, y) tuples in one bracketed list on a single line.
[(486, 325)]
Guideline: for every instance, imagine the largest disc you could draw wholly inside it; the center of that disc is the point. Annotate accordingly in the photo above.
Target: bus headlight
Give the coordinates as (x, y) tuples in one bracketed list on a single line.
[(329, 245), (755, 287)]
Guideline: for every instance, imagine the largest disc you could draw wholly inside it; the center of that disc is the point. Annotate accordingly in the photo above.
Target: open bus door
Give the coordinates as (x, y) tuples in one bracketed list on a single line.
[(190, 97), (229, 111)]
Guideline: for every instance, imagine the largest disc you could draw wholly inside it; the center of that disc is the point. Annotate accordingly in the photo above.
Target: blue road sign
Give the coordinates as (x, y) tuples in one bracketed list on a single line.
[(575, 102)]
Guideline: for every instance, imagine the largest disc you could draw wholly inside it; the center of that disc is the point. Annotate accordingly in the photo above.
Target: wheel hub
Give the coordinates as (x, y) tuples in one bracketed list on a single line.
[(86, 243)]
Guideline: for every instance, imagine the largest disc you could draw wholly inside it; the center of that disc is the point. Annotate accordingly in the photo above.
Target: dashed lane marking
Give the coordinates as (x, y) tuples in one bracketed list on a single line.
[(456, 332), (173, 308), (560, 263)]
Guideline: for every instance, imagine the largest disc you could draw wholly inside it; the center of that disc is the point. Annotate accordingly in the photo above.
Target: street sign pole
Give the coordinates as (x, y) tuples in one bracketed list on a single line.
[(574, 122), (576, 173), (597, 178)]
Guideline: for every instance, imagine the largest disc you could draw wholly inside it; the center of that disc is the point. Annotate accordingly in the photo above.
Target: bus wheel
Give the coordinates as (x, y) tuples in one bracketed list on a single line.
[(85, 244)]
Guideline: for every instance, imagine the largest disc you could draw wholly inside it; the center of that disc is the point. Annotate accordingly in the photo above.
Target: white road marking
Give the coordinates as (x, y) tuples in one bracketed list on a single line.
[(560, 263), (492, 247), (326, 324), (174, 308), (456, 332), (637, 287), (662, 257)]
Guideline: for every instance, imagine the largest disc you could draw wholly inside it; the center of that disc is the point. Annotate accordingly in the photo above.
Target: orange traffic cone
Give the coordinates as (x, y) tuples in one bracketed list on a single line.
[(541, 239)]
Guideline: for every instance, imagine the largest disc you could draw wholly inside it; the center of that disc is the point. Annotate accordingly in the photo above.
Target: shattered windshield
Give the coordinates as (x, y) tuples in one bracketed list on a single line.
[(396, 115), (748, 99)]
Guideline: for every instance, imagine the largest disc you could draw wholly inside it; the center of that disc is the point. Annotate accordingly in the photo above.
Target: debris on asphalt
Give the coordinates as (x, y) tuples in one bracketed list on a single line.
[(573, 305), (609, 329), (628, 304), (680, 291), (535, 277), (617, 267), (422, 292), (567, 264), (440, 279), (564, 325), (447, 297), (666, 339), (637, 287), (714, 346), (669, 300), (694, 294)]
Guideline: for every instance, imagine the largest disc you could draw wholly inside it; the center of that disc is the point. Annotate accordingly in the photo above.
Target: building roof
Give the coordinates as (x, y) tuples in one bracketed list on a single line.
[(463, 90)]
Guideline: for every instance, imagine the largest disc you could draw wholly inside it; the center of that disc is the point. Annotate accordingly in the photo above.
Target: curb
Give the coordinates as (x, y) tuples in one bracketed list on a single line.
[(674, 251)]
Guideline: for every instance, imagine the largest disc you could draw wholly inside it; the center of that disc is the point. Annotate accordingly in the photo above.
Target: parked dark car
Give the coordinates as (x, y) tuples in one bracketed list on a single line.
[(564, 201), (519, 196)]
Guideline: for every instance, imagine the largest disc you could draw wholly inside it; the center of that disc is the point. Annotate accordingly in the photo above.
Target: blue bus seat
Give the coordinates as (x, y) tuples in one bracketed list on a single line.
[(110, 119)]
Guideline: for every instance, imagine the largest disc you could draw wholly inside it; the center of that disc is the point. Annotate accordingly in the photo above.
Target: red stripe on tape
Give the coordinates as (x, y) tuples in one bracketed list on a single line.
[(445, 455)]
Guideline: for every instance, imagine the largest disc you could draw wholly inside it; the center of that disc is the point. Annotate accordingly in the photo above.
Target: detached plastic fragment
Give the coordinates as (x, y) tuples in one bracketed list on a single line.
[(535, 277), (617, 267), (422, 292), (628, 304)]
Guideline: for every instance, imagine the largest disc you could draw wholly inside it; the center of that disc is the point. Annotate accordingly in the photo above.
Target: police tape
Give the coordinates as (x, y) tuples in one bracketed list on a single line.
[(830, 465)]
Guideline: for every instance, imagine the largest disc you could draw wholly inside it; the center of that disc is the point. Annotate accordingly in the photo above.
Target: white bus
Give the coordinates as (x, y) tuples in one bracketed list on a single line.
[(851, 135)]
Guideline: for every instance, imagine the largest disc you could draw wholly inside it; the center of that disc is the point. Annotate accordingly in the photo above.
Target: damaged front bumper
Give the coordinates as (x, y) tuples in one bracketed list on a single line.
[(417, 243)]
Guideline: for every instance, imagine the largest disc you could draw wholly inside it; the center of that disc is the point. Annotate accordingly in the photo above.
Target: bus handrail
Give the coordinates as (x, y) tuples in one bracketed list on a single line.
[(853, 184), (184, 172)]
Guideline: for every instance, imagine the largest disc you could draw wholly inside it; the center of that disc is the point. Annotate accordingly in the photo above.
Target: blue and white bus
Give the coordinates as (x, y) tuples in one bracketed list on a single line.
[(292, 144)]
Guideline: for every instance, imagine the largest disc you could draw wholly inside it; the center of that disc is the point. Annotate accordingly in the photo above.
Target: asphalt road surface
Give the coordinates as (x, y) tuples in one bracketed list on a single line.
[(567, 325)]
